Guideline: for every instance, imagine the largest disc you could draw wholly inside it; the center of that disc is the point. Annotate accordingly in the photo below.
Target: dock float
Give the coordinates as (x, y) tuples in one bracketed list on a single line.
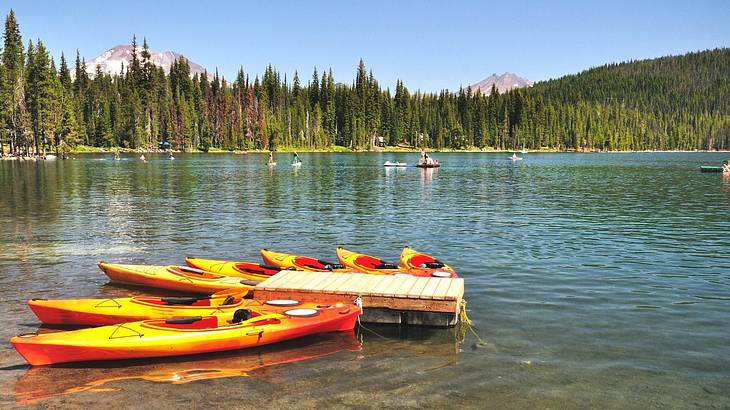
[(396, 299)]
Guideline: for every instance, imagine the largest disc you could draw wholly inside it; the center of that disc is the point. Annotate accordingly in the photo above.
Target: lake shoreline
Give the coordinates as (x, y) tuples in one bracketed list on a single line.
[(80, 150)]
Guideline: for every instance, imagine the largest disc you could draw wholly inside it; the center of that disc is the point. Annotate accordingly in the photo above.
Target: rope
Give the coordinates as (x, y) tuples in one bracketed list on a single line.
[(466, 324)]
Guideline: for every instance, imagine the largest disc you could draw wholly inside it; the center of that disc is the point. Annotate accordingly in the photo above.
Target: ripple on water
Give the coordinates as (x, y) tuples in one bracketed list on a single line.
[(593, 278)]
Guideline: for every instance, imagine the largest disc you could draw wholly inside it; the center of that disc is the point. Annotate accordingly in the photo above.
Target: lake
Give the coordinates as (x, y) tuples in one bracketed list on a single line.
[(593, 280)]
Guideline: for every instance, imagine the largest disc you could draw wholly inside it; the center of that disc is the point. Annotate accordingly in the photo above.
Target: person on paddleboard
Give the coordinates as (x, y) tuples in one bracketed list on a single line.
[(296, 158), (726, 167), (271, 157)]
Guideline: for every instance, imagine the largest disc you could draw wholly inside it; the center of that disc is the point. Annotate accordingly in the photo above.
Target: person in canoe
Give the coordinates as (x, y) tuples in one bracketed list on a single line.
[(425, 159)]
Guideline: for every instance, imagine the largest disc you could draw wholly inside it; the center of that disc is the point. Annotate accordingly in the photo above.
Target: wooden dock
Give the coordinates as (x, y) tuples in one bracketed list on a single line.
[(402, 299)]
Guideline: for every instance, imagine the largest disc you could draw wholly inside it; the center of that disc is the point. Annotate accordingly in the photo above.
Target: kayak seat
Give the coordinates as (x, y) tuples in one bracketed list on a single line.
[(310, 262), (370, 262), (419, 260), (386, 265), (241, 315), (431, 265)]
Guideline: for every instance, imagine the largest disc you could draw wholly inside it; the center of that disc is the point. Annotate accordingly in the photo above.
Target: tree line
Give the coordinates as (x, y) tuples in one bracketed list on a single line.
[(669, 103)]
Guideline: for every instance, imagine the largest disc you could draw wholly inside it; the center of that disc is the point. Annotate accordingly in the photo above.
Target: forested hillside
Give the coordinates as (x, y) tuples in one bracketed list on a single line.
[(670, 103)]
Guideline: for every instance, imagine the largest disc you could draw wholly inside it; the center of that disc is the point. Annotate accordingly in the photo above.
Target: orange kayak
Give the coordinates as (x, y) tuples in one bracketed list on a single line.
[(101, 312), (177, 278), (184, 335), (416, 262), (247, 270), (366, 263), (303, 263), (41, 383)]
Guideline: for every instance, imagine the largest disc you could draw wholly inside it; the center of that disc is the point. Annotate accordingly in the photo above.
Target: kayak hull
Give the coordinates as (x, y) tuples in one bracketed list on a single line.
[(174, 278), (297, 262), (418, 263), (366, 263), (102, 312), (158, 338), (246, 270)]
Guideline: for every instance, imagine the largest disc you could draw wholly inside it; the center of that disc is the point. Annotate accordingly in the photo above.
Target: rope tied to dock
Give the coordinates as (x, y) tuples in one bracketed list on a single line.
[(466, 324)]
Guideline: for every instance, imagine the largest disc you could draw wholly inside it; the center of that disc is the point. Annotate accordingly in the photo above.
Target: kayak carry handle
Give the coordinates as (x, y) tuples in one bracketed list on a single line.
[(191, 270)]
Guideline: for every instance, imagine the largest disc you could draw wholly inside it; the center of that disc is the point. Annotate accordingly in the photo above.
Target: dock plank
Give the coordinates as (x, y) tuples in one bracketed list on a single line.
[(415, 291), (441, 289), (373, 281), (355, 286), (308, 281), (456, 289), (270, 282), (290, 281), (405, 286), (324, 283), (381, 288), (430, 288), (335, 283)]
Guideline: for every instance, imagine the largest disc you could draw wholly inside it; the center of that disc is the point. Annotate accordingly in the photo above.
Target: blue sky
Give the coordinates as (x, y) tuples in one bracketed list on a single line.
[(429, 45)]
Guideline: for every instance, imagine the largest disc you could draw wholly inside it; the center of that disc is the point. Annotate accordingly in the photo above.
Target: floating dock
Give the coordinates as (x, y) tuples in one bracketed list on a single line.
[(397, 299)]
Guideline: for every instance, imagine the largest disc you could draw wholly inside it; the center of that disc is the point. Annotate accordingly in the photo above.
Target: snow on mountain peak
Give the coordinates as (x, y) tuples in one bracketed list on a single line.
[(112, 60), (504, 82)]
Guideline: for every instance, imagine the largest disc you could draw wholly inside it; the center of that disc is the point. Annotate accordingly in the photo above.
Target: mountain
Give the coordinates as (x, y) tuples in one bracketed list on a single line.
[(111, 60), (504, 82)]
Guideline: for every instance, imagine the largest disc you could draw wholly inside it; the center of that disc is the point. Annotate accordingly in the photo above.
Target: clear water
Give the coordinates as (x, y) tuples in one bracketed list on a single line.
[(595, 280)]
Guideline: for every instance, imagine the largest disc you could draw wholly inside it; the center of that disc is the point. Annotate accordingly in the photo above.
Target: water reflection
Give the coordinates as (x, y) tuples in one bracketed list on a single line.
[(42, 383)]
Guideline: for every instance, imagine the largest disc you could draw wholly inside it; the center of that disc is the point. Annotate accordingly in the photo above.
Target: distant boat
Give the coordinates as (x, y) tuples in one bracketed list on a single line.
[(50, 157), (395, 164), (523, 151)]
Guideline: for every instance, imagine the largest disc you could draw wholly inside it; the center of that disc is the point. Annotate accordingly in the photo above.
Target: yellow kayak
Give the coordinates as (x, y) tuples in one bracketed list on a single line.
[(184, 335), (100, 312), (246, 270), (422, 264), (178, 278), (303, 263), (366, 263)]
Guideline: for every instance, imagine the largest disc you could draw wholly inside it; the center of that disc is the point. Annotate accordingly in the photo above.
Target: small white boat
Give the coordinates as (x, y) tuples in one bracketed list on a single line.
[(514, 157), (50, 157), (395, 164), (523, 151)]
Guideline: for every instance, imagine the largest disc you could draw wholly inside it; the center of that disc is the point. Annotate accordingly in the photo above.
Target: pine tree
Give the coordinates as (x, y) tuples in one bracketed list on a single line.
[(12, 84)]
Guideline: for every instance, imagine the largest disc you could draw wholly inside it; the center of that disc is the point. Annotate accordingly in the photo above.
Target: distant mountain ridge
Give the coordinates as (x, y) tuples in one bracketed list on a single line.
[(504, 83), (111, 61)]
